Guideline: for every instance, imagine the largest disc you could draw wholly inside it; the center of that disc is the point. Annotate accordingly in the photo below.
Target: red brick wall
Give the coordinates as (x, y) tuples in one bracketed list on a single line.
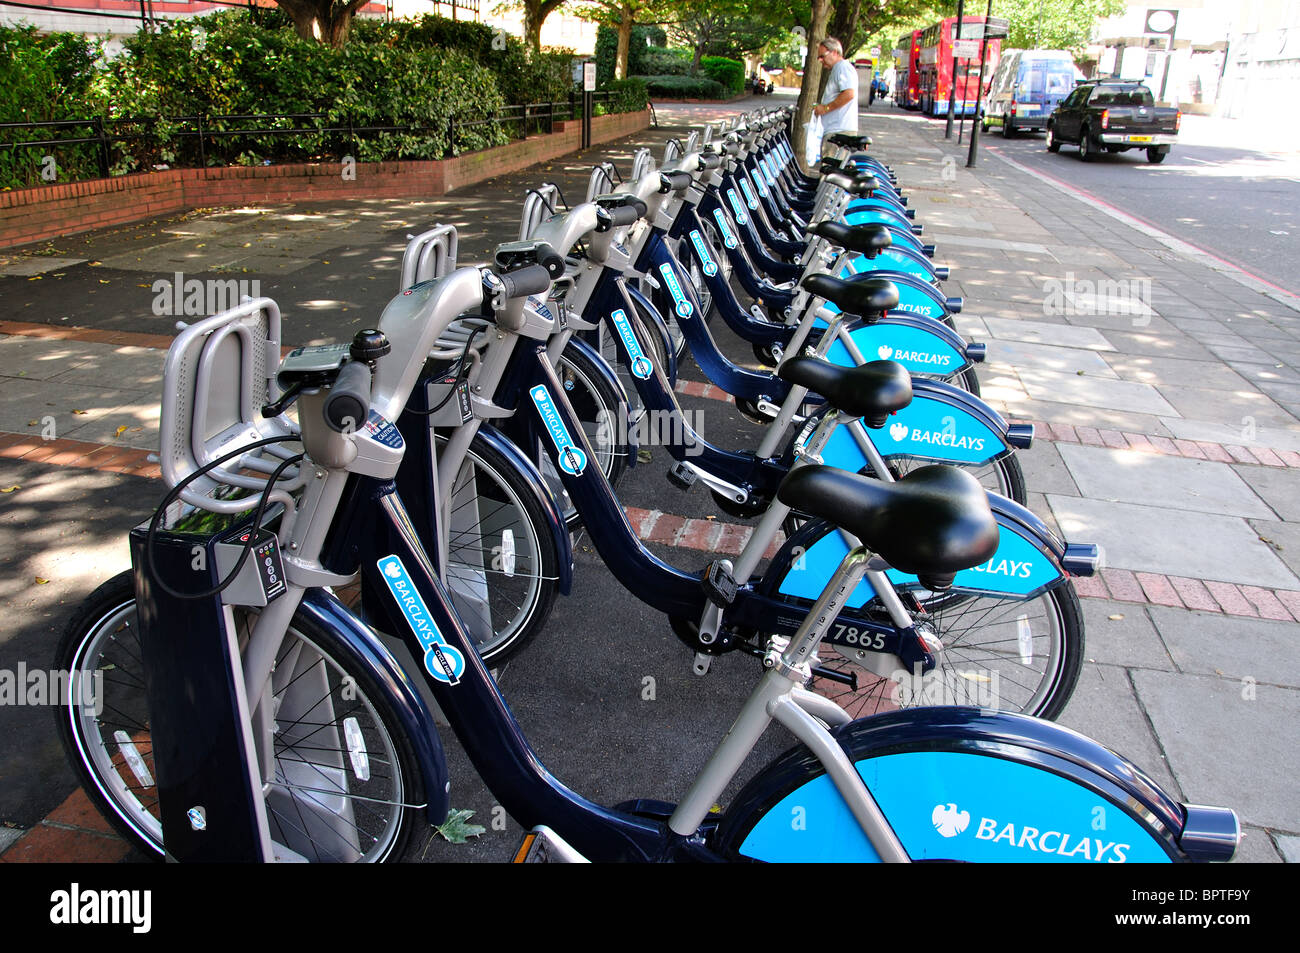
[(52, 211)]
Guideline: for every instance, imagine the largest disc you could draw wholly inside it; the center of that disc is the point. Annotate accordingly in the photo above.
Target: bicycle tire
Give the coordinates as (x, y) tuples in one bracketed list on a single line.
[(502, 567), (602, 410), (1004, 476), (1018, 655), (321, 693), (968, 381)]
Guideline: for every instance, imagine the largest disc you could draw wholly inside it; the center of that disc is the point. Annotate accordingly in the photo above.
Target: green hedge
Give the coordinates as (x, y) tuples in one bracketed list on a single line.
[(657, 61), (729, 73), (45, 79), (432, 72), (628, 95), (545, 77), (255, 71), (683, 87)]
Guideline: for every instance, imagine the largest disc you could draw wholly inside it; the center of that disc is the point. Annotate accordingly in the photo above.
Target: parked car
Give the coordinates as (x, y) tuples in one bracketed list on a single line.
[(1026, 87), (1114, 116)]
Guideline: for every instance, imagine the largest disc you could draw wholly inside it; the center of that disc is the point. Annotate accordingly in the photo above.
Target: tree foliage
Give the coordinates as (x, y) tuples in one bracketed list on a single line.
[(729, 28), (1054, 24)]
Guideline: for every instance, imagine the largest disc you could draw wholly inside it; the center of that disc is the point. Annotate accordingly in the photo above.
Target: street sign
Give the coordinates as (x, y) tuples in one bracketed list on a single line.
[(996, 28), (966, 49), (1161, 22), (874, 52), (588, 77)]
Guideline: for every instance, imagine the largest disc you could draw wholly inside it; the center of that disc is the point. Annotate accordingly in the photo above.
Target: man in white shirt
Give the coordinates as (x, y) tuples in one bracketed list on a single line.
[(839, 106)]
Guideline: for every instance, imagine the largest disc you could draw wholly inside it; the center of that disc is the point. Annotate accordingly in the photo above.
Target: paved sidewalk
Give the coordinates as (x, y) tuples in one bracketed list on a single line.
[(1167, 394), (1169, 386)]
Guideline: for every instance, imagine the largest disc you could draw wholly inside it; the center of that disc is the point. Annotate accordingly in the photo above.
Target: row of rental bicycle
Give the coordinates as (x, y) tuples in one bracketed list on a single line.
[(915, 631)]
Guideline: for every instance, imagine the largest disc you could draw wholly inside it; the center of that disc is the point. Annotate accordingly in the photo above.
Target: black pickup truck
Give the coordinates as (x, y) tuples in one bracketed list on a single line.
[(1114, 116)]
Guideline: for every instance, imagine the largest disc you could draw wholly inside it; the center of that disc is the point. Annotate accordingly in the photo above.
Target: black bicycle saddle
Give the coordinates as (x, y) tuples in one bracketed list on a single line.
[(869, 240), (871, 391), (868, 297), (934, 522)]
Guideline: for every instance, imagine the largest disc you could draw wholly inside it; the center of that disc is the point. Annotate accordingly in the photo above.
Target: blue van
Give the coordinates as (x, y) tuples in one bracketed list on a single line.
[(1026, 87)]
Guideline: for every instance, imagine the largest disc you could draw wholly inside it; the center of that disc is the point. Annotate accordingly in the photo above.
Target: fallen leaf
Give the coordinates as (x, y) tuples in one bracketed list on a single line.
[(120, 430), (1116, 617), (456, 829), (10, 489), (40, 581), (79, 411), (104, 281), (33, 423)]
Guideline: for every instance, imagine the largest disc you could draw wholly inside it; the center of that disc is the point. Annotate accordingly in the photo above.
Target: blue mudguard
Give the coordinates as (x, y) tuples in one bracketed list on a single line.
[(896, 258), (1027, 563), (369, 654), (942, 424), (920, 344), (890, 209), (966, 784)]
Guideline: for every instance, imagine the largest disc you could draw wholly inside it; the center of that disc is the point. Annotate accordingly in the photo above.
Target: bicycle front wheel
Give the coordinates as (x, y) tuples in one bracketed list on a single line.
[(343, 768), (502, 565)]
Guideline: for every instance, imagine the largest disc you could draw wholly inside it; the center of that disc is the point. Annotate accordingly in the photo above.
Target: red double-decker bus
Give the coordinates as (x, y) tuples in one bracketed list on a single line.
[(936, 77), (907, 70)]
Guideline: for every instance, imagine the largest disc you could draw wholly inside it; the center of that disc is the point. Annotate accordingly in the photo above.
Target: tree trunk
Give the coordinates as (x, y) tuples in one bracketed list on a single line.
[(533, 27), (535, 14), (624, 41), (812, 75), (845, 23), (322, 20)]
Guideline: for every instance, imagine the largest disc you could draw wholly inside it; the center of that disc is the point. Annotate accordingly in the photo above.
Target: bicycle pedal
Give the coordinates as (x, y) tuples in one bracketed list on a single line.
[(719, 584), (682, 476)]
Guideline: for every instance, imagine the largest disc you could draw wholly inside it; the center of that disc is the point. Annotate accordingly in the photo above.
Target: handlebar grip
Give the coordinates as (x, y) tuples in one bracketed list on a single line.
[(674, 181), (529, 280), (710, 161), (627, 214), (348, 403)]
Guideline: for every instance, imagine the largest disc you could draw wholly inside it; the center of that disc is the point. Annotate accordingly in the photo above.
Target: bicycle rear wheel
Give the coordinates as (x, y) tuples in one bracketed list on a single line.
[(1014, 655), (1004, 652), (344, 772)]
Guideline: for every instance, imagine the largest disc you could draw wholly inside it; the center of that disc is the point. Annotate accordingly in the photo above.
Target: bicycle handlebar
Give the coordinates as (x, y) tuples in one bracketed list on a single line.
[(529, 280), (348, 403)]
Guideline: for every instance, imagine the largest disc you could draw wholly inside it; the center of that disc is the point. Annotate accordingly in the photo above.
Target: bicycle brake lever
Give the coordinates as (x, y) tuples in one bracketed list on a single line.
[(286, 399)]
